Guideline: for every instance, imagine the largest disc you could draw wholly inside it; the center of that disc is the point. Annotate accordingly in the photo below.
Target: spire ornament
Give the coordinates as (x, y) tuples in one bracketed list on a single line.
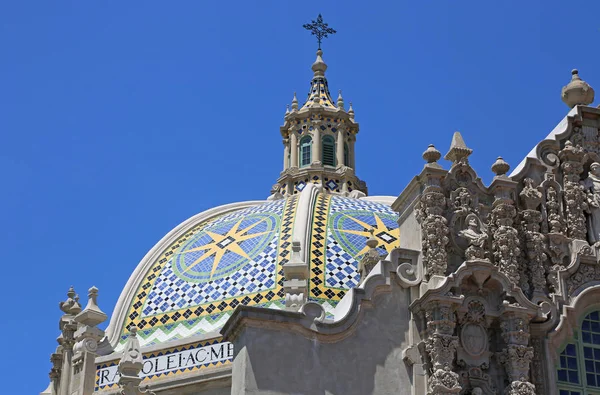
[(458, 149), (340, 100), (319, 29)]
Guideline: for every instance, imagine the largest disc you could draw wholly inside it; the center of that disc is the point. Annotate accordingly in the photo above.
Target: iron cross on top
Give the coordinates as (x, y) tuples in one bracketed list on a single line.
[(319, 28)]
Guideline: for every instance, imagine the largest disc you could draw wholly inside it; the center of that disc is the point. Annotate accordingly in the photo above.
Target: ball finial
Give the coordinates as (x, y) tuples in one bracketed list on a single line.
[(431, 154), (577, 91), (500, 167)]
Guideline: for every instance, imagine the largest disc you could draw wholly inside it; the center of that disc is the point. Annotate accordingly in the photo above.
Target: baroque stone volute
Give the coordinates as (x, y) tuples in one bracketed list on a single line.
[(577, 91)]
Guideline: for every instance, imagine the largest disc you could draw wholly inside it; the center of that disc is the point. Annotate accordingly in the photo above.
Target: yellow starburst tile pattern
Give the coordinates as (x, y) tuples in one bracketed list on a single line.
[(341, 227), (197, 282)]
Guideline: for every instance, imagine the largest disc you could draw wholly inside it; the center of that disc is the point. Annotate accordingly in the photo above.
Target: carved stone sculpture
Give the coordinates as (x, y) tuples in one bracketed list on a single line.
[(475, 236), (441, 346), (592, 189), (555, 220), (574, 194), (506, 241), (434, 230), (473, 336), (517, 355), (535, 242)]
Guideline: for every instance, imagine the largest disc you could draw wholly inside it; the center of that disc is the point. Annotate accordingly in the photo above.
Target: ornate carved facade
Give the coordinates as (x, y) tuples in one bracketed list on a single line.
[(515, 257), (453, 287)]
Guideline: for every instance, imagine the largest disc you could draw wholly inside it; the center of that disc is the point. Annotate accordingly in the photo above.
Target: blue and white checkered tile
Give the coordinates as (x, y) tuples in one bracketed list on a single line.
[(340, 267), (339, 203), (274, 207), (172, 293)]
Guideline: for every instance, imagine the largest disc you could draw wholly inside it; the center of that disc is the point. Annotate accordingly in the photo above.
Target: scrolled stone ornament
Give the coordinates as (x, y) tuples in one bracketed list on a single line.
[(408, 274)]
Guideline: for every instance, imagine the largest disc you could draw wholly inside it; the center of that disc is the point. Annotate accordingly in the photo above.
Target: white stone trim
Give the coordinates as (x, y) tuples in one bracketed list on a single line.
[(304, 210), (126, 297), (556, 132)]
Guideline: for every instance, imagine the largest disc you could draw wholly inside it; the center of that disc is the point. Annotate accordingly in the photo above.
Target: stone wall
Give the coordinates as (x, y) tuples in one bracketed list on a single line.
[(273, 357)]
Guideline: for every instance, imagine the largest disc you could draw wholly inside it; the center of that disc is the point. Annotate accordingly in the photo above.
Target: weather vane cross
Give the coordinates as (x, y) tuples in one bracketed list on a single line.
[(319, 28)]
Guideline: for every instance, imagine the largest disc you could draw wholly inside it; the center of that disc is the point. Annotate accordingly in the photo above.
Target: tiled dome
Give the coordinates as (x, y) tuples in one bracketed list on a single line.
[(209, 265)]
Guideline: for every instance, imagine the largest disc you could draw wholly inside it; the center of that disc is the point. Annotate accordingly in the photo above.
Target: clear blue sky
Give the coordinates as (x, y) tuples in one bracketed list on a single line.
[(119, 120)]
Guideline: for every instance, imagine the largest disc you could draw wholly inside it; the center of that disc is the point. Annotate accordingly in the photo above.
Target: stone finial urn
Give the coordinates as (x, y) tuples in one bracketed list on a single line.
[(577, 91)]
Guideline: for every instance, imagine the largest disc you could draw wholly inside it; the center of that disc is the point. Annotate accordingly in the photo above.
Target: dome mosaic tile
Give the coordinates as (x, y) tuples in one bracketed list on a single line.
[(237, 258)]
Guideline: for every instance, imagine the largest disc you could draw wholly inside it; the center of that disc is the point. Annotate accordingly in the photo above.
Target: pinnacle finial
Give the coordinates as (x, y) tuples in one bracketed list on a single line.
[(500, 167), (131, 365), (340, 100), (71, 305), (431, 154), (91, 315), (295, 103), (458, 149), (577, 91), (351, 111), (319, 67), (372, 242), (287, 108)]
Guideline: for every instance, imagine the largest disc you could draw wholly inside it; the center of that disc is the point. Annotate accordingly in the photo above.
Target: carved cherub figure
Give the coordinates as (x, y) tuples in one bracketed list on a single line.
[(475, 236), (462, 201)]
